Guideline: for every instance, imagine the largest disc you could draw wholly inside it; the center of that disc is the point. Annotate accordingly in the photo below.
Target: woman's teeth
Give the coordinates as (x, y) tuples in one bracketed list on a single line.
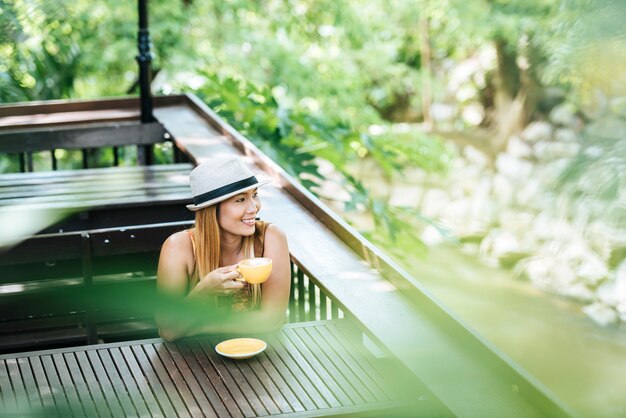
[(248, 221)]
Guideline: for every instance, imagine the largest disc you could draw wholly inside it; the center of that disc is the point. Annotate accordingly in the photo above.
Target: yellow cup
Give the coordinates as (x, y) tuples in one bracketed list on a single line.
[(255, 270)]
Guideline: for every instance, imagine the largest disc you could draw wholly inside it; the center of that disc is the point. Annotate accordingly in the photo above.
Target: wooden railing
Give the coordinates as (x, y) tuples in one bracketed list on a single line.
[(50, 284), (307, 300), (34, 143)]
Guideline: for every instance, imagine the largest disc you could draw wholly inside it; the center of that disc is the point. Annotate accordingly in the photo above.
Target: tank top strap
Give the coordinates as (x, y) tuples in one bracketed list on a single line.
[(259, 238), (193, 248)]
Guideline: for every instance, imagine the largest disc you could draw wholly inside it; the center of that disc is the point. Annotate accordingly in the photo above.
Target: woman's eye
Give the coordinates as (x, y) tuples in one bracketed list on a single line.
[(240, 200), (255, 195)]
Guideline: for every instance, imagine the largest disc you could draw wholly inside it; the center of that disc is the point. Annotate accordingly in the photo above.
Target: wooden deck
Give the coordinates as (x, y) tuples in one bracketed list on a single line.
[(467, 373), (308, 369)]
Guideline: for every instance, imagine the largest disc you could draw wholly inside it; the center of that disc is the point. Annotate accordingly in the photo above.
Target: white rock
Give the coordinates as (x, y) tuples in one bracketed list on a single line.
[(592, 270), (548, 151), (518, 148), (475, 157), (529, 192), (537, 131), (513, 167), (606, 294), (442, 112), (431, 236), (565, 135), (435, 201), (519, 223), (601, 314), (502, 190), (473, 114), (457, 211), (406, 195), (563, 115), (579, 292), (501, 245)]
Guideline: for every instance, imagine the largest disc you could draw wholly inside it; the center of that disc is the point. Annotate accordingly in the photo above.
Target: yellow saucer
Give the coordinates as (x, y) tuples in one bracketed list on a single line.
[(240, 348)]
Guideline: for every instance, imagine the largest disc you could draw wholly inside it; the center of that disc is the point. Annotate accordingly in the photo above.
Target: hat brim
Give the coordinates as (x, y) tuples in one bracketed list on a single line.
[(262, 181)]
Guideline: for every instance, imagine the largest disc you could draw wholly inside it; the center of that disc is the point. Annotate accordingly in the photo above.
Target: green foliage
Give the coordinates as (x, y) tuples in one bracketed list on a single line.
[(294, 138), (318, 73)]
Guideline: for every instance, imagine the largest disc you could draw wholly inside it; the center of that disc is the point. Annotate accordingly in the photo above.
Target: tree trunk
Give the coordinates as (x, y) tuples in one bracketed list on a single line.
[(509, 97)]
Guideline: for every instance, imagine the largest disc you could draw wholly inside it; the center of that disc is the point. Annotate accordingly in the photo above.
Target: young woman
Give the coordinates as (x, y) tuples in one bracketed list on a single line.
[(199, 264)]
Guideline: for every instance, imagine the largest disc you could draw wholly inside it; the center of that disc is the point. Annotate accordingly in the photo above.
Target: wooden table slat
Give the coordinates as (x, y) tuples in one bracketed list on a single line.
[(59, 175), (8, 397), (302, 387), (124, 380), (269, 394), (359, 367), (44, 389), (197, 379), (284, 388), (58, 392), (346, 363), (294, 361), (258, 398), (155, 407), (87, 400), (102, 175), (92, 387), (98, 382), (15, 377), (238, 386), (68, 387), (331, 363), (177, 367), (215, 378), (82, 190), (182, 400), (365, 358), (29, 383), (319, 369), (95, 193), (170, 401)]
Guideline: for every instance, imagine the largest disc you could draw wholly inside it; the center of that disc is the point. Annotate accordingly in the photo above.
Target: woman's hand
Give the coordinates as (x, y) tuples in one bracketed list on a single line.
[(221, 281)]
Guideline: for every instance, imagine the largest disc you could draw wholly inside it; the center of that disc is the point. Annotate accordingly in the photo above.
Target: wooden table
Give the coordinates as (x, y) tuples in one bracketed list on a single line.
[(308, 369), (96, 186), (71, 200)]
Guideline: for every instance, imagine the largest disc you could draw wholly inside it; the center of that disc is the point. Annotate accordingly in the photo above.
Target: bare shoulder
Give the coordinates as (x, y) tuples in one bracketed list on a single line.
[(274, 235), (178, 245), (177, 241)]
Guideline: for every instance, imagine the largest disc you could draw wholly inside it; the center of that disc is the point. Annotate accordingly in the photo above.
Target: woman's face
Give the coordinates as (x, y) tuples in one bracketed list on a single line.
[(236, 215)]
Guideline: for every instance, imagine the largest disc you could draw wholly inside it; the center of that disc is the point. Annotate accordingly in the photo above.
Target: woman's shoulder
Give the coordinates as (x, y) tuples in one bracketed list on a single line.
[(178, 242), (274, 234)]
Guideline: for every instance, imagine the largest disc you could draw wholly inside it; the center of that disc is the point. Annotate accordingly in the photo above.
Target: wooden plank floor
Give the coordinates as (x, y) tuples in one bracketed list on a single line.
[(308, 369)]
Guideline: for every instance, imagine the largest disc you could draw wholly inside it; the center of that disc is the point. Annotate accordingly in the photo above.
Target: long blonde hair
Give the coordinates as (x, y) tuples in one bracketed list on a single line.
[(207, 240)]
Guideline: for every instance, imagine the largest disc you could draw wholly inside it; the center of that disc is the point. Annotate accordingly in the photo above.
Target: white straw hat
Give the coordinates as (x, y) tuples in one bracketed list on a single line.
[(218, 178)]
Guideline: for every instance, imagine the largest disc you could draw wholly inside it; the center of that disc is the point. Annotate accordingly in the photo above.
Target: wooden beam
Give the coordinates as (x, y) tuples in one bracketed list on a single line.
[(41, 139)]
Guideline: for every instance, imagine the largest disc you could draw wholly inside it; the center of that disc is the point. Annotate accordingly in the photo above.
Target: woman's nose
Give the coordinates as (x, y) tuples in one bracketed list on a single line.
[(252, 207)]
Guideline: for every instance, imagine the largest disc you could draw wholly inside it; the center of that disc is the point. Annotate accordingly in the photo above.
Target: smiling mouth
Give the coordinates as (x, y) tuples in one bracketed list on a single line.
[(249, 222)]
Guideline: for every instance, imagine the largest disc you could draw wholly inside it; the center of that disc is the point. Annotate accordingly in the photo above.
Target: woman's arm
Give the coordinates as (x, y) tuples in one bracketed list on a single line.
[(274, 294), (175, 264)]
